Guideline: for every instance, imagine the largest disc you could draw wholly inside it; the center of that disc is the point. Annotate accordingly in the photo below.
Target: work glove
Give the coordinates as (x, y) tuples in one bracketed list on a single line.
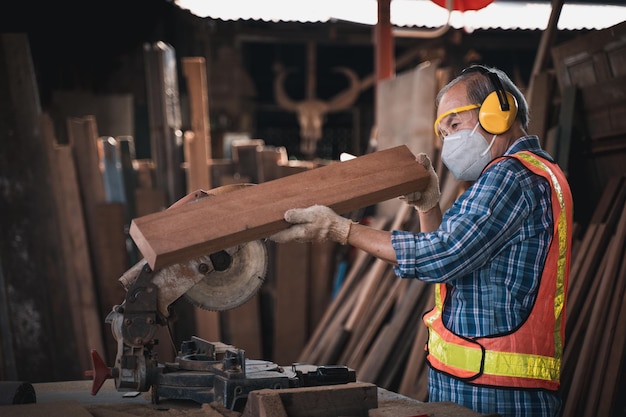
[(429, 198), (314, 224)]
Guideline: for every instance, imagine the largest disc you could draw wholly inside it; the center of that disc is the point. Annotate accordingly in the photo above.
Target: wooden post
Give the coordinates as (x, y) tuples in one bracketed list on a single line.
[(197, 145)]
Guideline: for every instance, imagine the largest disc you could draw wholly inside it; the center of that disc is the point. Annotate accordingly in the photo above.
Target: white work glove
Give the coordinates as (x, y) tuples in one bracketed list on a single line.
[(429, 198), (314, 224)]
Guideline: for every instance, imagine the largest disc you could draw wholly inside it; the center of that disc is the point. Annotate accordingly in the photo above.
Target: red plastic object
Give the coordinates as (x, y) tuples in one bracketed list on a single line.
[(464, 5), (100, 372)]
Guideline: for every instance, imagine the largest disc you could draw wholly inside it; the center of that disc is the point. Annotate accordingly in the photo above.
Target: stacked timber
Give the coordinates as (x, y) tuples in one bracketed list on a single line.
[(593, 362)]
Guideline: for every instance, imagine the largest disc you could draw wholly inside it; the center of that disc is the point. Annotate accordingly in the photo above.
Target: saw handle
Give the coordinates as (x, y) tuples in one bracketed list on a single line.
[(100, 372)]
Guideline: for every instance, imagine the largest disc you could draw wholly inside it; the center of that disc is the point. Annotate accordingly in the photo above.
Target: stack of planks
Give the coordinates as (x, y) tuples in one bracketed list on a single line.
[(373, 325), (593, 362)]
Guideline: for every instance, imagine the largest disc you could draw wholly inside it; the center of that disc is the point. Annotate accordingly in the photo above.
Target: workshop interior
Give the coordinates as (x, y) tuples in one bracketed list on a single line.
[(149, 152)]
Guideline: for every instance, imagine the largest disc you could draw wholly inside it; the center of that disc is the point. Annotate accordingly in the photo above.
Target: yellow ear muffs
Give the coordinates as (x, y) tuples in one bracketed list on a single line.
[(491, 116)]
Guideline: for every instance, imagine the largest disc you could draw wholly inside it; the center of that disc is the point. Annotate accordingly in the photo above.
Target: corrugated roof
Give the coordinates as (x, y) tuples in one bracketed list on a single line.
[(508, 15)]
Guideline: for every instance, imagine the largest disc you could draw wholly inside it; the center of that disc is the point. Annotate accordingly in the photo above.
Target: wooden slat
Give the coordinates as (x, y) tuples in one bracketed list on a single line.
[(380, 311), (320, 281), (111, 243), (81, 292), (197, 150), (198, 142), (251, 213), (290, 304), (387, 339), (414, 380), (611, 379)]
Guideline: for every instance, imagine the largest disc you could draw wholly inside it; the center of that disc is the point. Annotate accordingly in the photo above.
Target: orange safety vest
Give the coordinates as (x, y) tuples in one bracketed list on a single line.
[(530, 356)]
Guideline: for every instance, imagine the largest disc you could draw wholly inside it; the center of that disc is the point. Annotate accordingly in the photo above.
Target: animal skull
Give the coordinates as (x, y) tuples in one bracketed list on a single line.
[(311, 112)]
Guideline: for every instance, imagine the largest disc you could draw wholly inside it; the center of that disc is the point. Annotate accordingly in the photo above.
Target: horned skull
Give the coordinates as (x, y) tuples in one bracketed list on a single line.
[(312, 111)]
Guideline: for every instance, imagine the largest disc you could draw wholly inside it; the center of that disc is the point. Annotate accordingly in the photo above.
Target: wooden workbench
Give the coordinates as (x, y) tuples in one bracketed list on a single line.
[(73, 398)]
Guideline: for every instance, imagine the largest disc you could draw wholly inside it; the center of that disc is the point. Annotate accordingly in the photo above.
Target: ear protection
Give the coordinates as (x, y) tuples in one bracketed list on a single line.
[(499, 109)]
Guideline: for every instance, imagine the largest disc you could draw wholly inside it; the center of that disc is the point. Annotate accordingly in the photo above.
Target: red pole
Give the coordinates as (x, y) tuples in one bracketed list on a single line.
[(384, 42), (383, 46)]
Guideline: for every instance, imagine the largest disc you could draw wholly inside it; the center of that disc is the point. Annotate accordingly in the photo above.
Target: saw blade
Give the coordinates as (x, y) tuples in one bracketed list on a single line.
[(238, 272), (238, 275)]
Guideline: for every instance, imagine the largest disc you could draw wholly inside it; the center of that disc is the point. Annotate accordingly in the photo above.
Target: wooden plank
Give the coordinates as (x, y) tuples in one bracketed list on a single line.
[(291, 276), (83, 136), (251, 213), (269, 160), (33, 265), (543, 53), (246, 160), (409, 93), (338, 309), (611, 381), (387, 338), (604, 323), (197, 150), (198, 142), (111, 243), (320, 283), (352, 399), (540, 103), (415, 378), (75, 248), (356, 351), (569, 119)]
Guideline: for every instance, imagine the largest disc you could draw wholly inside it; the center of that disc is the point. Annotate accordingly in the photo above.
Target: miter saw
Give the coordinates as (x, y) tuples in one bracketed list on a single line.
[(203, 371)]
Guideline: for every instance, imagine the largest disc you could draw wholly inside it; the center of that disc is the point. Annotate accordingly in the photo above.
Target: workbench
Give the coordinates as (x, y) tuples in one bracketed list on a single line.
[(73, 398)]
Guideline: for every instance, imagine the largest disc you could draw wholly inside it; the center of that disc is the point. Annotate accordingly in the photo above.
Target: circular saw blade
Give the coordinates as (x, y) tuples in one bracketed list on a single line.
[(238, 271), (233, 286)]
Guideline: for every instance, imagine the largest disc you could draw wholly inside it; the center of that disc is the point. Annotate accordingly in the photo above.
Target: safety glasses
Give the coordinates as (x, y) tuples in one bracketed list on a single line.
[(450, 121)]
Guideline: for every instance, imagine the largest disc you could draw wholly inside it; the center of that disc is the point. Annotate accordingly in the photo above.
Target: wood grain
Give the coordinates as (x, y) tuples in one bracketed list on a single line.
[(212, 224)]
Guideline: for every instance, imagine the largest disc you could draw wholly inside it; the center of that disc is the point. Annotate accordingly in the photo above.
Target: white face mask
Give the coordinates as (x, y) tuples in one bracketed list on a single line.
[(466, 153)]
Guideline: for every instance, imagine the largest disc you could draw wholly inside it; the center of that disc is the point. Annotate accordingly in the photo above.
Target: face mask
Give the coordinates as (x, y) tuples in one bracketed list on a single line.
[(466, 153)]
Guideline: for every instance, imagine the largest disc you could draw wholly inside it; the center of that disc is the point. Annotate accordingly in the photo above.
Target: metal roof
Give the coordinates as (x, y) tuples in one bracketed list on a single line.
[(501, 14)]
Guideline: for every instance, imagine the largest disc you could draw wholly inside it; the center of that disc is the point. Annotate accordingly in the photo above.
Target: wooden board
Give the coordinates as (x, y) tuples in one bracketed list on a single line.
[(290, 301), (352, 399), (74, 244), (197, 146), (250, 213)]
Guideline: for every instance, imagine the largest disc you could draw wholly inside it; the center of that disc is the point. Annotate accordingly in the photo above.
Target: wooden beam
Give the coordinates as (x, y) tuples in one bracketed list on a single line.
[(197, 146), (351, 399), (222, 221)]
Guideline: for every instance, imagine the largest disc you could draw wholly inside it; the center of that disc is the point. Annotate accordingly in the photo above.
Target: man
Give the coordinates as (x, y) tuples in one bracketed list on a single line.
[(499, 256)]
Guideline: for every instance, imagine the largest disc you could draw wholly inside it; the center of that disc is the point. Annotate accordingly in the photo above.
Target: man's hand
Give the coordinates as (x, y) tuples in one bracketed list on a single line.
[(314, 224), (429, 198)]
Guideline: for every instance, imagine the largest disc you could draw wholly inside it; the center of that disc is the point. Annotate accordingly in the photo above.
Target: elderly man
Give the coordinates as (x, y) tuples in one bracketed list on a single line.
[(499, 257)]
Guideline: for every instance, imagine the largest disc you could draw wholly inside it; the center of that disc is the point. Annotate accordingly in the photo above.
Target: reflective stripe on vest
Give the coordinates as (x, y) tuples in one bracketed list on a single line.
[(525, 358)]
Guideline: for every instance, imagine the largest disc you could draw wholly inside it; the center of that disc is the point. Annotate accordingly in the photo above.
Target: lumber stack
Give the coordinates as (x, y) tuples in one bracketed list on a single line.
[(593, 361), (373, 324)]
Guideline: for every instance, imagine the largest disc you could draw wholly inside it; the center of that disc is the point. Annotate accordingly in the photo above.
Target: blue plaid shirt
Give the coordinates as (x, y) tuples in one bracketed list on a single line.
[(490, 251)]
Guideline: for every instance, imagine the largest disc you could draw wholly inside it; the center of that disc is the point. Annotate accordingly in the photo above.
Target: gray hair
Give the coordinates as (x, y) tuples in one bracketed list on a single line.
[(479, 86)]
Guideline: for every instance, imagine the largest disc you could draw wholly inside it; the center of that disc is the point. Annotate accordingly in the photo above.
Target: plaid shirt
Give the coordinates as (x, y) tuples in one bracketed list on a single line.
[(490, 251)]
